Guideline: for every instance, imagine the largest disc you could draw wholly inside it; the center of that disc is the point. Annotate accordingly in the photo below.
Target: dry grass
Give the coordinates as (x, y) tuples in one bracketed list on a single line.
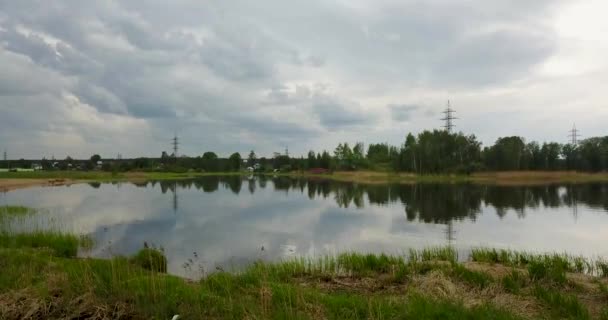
[(498, 178)]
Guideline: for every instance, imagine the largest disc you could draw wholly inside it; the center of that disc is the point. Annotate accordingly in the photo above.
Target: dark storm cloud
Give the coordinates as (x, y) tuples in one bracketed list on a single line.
[(214, 69)]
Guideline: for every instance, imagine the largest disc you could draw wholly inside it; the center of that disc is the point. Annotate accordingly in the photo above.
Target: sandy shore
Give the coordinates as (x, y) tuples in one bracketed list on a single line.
[(14, 184)]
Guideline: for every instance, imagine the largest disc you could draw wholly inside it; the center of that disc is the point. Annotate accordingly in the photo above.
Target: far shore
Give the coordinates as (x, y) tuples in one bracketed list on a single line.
[(19, 180)]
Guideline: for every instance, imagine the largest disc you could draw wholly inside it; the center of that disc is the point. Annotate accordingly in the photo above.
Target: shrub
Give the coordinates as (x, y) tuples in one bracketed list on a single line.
[(151, 259)]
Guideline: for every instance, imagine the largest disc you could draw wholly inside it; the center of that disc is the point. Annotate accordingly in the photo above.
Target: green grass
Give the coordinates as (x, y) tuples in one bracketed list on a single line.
[(151, 259), (71, 175), (259, 292), (15, 211), (448, 254), (514, 282), (553, 271), (603, 290), (562, 305), (554, 261), (472, 277), (346, 286), (61, 244), (102, 176)]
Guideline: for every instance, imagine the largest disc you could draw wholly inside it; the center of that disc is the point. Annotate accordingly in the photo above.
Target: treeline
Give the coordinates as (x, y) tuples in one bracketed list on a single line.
[(440, 152), (430, 152)]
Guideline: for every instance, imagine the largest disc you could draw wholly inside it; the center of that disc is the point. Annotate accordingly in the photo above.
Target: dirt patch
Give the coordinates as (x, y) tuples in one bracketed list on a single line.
[(26, 304), (497, 271), (438, 285), (357, 285)]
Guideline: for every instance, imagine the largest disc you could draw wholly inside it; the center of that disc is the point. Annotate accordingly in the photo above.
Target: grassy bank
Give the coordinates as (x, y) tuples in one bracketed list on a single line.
[(19, 180), (102, 175), (500, 178), (368, 177), (38, 281)]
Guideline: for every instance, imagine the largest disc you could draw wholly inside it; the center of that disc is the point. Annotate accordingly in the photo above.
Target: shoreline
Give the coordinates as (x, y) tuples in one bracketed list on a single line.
[(14, 181), (506, 178), (428, 284)]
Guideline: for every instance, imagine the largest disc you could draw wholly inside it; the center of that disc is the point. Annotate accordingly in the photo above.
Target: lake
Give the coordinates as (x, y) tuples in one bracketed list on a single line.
[(226, 222)]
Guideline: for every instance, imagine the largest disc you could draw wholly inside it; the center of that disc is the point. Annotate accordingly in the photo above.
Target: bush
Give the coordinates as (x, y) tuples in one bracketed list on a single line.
[(151, 259)]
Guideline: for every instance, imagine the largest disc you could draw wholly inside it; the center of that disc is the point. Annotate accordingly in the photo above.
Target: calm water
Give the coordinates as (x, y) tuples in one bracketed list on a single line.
[(227, 222)]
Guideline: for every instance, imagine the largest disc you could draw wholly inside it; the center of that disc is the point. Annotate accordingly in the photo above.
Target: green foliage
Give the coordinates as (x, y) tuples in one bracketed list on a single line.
[(16, 211), (602, 268), (235, 161), (210, 162), (434, 254), (558, 263), (474, 278), (562, 305), (603, 290), (357, 263), (547, 270), (514, 281), (420, 307), (151, 259), (435, 152), (62, 245)]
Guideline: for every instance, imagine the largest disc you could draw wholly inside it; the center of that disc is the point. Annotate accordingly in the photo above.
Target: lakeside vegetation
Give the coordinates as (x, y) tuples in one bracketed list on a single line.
[(434, 152), (45, 276), (425, 284), (11, 180)]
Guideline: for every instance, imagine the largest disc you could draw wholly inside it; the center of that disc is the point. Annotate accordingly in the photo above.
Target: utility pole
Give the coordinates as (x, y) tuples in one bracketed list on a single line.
[(574, 135), (175, 143), (5, 159), (449, 118)]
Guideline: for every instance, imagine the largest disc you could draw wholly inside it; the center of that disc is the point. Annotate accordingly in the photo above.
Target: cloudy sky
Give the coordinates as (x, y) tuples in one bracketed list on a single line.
[(82, 77)]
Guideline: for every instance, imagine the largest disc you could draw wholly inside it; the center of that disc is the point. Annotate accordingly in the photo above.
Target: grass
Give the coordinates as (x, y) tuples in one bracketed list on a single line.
[(42, 278), (472, 277), (448, 254), (514, 282), (61, 244), (15, 211), (105, 176), (562, 305), (367, 177), (552, 264), (508, 177)]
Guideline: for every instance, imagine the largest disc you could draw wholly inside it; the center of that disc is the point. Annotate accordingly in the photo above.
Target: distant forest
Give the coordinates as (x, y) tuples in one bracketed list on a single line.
[(430, 152)]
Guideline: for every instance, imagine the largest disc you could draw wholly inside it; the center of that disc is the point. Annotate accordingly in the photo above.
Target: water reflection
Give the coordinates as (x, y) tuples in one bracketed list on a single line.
[(227, 220), (428, 203)]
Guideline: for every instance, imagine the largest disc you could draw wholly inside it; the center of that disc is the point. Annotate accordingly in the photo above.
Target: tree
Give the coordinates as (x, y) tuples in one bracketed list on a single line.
[(506, 154), (95, 158), (251, 159), (235, 161), (210, 162), (311, 161)]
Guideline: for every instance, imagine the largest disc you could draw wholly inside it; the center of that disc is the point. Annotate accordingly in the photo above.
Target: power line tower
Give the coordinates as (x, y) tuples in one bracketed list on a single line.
[(449, 118), (5, 156), (287, 151), (574, 135), (175, 144)]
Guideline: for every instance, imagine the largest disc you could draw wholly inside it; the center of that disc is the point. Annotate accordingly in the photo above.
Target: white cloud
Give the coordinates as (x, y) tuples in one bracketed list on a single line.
[(237, 75)]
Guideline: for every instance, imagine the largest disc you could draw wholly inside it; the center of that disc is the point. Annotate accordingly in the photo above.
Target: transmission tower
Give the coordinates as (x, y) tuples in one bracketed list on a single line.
[(449, 118), (175, 143), (574, 135), (5, 156), (287, 151)]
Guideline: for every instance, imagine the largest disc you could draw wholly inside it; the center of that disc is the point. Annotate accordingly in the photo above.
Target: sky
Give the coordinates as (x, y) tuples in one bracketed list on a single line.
[(123, 77)]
